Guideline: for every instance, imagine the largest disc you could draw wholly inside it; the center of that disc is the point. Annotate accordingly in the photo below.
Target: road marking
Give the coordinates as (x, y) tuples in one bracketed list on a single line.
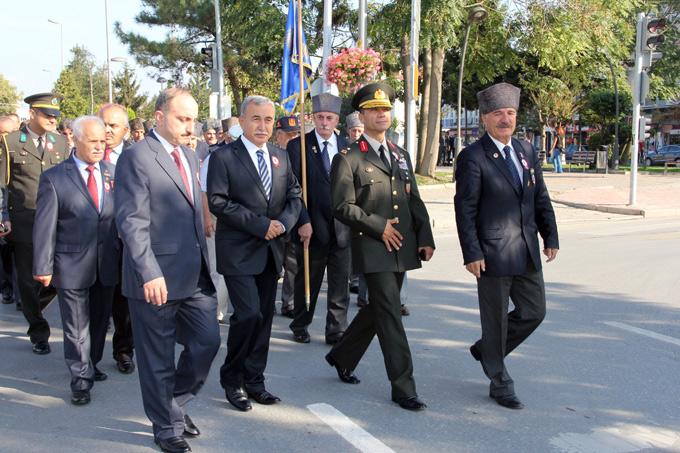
[(646, 333), (349, 430), (620, 438)]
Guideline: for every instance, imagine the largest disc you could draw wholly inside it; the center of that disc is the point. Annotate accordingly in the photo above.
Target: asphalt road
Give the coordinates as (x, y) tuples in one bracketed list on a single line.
[(600, 375)]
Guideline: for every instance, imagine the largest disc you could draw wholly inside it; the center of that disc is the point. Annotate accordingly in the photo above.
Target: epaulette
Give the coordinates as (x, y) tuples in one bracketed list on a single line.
[(23, 137)]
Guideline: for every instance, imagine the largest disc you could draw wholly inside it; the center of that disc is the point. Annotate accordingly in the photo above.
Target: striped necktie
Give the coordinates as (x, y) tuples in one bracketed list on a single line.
[(264, 173), (511, 167)]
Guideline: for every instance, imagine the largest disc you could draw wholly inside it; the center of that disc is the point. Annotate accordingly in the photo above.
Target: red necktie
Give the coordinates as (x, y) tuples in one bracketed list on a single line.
[(107, 155), (185, 179), (92, 186)]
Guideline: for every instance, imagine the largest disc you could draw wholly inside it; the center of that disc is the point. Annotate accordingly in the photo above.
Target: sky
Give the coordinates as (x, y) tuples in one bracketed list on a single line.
[(31, 55)]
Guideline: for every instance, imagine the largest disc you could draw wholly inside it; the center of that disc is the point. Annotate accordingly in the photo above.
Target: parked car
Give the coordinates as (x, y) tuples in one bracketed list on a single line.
[(668, 153)]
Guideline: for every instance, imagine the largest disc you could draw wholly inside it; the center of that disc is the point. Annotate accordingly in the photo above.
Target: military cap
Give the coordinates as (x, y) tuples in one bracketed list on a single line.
[(374, 95), (136, 124), (498, 96), (48, 103), (288, 124), (353, 120), (326, 102)]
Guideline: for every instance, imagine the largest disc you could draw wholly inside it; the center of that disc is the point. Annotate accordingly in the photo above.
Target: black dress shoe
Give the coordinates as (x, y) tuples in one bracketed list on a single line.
[(238, 398), (333, 340), (125, 364), (344, 374), (99, 375), (173, 444), (41, 347), (264, 397), (475, 353), (404, 310), (361, 303), (509, 401), (189, 428), (80, 397), (302, 337), (412, 403), (287, 312)]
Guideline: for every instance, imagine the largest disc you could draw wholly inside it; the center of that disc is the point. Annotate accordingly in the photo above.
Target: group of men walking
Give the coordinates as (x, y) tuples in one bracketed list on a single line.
[(124, 232)]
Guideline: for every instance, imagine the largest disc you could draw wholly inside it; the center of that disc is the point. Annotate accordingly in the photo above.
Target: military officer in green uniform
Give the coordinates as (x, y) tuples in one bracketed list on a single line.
[(25, 155), (374, 192)]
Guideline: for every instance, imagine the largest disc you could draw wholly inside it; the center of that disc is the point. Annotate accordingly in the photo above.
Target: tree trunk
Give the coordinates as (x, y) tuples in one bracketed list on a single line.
[(405, 58), (431, 153), (424, 108), (235, 88)]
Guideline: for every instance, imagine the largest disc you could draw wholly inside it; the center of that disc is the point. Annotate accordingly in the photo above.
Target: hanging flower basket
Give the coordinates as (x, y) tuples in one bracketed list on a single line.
[(352, 68)]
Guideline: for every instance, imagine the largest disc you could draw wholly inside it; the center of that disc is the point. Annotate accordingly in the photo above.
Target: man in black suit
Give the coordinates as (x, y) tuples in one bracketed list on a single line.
[(75, 249), (254, 194), (327, 239), (115, 118), (501, 203), (166, 276)]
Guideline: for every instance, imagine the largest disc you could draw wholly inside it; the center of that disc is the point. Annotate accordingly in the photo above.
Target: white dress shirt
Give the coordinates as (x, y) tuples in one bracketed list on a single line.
[(375, 144), (115, 153), (252, 151), (82, 168), (332, 145), (513, 156), (35, 137), (169, 147)]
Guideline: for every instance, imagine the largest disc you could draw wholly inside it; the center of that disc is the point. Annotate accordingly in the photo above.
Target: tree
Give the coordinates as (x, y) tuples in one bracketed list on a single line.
[(83, 85), (199, 85), (73, 104), (9, 96), (126, 90)]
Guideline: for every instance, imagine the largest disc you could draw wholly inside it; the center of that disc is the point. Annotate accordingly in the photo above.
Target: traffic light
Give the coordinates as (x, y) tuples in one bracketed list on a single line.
[(207, 58), (652, 34), (645, 127)]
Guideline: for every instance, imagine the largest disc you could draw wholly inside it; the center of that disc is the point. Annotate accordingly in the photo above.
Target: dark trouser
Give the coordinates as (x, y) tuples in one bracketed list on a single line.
[(336, 260), (84, 317), (502, 332), (166, 388), (34, 297), (382, 317), (290, 268), (250, 327), (123, 343), (362, 293)]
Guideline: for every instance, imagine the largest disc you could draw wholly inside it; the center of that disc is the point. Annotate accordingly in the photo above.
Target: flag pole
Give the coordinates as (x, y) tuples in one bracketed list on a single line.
[(303, 153)]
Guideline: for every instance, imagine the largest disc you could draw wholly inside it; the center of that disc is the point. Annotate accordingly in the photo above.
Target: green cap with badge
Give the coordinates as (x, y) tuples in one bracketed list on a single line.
[(374, 95), (48, 103)]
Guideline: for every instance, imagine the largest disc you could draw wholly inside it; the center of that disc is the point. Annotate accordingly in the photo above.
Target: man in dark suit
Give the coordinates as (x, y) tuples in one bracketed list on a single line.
[(327, 238), (115, 118), (75, 249), (26, 154), (501, 203), (374, 192), (254, 194), (166, 275)]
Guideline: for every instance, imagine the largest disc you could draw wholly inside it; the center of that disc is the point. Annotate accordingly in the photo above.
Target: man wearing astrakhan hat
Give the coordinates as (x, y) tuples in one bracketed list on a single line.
[(374, 192), (501, 204), (25, 155)]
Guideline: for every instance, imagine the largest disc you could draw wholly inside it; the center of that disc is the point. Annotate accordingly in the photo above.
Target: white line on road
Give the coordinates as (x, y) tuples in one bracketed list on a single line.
[(647, 333), (349, 430)]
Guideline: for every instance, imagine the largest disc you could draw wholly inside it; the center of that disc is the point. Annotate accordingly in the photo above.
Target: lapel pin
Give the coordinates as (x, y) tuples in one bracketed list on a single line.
[(495, 155)]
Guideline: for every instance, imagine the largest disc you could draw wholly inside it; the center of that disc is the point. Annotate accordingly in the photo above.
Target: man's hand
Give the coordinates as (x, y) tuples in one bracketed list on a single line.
[(155, 291), (551, 254), (305, 232), (208, 226), (43, 279), (425, 253), (275, 230), (391, 237), (8, 228), (476, 268)]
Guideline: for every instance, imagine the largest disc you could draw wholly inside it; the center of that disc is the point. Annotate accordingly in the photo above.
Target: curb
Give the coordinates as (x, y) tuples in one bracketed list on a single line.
[(601, 208)]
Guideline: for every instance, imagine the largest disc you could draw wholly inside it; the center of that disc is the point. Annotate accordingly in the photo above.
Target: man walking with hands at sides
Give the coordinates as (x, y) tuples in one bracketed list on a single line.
[(374, 192), (75, 249), (166, 276), (501, 204), (254, 194)]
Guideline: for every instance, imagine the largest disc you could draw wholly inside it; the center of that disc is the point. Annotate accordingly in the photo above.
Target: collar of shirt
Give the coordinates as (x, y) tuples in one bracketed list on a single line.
[(118, 149), (35, 136), (169, 147), (82, 166), (332, 144), (513, 155), (82, 169), (252, 151), (375, 144)]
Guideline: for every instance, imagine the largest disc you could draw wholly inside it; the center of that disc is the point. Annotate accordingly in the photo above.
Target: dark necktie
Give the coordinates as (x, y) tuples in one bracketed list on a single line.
[(264, 173), (182, 172), (511, 168), (325, 158), (384, 158), (92, 186), (41, 147)]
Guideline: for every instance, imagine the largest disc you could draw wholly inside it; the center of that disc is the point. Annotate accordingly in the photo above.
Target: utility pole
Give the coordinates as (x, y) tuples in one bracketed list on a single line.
[(108, 55), (412, 88), (362, 44), (219, 70), (327, 41)]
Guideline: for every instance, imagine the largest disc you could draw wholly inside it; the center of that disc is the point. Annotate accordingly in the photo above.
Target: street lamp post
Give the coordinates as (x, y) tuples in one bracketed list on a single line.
[(108, 55), (115, 60), (61, 39), (477, 14), (161, 80)]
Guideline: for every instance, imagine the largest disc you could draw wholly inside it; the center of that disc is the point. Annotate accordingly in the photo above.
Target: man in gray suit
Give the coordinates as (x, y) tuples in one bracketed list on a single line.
[(166, 275), (255, 196), (74, 239)]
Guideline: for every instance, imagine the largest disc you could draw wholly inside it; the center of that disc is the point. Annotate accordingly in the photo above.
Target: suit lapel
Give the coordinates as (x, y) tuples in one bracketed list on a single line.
[(106, 183), (73, 173), (371, 155), (247, 162), (276, 157), (168, 164), (29, 146), (498, 160), (315, 153), (522, 157)]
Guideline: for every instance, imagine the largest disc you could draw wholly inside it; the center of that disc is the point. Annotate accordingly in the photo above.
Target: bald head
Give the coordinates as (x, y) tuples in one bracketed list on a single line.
[(115, 118)]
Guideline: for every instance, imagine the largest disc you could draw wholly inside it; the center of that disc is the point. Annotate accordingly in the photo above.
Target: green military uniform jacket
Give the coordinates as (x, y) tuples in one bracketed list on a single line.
[(365, 194), (20, 170)]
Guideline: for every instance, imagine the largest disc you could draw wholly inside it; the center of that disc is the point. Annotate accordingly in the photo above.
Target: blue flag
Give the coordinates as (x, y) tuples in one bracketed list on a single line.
[(290, 77)]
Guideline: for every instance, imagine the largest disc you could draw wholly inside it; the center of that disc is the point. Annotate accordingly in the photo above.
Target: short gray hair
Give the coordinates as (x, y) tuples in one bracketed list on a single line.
[(120, 108), (78, 125), (257, 100)]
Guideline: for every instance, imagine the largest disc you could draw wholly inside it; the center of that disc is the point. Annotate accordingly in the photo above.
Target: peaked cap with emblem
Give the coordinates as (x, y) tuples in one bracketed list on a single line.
[(498, 96), (288, 124), (48, 103), (374, 95)]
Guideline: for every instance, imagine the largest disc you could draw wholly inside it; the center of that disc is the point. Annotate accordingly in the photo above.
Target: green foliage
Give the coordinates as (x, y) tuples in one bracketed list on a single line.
[(9, 96), (74, 103), (82, 84), (600, 107), (126, 90), (200, 90)]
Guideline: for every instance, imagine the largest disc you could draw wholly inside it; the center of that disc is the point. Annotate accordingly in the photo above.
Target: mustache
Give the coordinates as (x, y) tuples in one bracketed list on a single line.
[(504, 125)]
